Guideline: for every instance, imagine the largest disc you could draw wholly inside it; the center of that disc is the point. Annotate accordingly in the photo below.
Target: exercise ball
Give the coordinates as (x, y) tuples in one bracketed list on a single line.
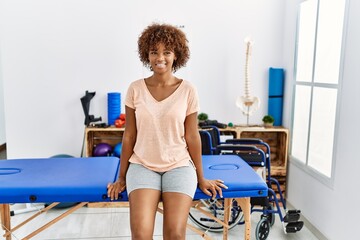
[(102, 149), (62, 156), (117, 150)]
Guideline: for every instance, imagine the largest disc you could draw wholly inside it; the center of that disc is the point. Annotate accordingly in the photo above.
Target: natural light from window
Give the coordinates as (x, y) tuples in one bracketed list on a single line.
[(317, 73)]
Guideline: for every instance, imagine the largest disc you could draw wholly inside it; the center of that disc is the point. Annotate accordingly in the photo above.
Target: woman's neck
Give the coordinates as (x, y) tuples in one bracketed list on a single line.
[(161, 80)]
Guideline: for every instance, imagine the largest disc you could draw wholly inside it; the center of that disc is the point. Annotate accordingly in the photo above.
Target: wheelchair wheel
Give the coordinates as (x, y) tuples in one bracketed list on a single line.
[(216, 209), (262, 229)]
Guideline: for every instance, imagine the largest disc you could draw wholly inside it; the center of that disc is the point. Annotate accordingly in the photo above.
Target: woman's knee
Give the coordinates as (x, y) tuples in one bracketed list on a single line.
[(141, 232), (174, 232)]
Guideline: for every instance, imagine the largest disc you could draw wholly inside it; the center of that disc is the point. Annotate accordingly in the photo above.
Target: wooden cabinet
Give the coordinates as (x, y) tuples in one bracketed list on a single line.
[(94, 136), (276, 137), (278, 140)]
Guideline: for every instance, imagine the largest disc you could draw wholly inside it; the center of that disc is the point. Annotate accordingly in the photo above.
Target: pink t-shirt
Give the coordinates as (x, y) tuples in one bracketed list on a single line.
[(160, 143)]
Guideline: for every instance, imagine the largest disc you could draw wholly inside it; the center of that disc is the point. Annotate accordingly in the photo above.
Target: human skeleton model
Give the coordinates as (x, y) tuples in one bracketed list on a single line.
[(248, 104)]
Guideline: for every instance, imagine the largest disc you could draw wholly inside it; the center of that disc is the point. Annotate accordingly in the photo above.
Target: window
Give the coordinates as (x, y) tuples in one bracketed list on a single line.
[(317, 74)]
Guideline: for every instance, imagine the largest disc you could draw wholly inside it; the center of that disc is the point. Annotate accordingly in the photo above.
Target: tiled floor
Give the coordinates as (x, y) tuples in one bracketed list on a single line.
[(113, 224)]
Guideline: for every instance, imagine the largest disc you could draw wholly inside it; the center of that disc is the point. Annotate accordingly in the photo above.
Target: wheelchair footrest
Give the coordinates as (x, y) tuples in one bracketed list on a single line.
[(292, 216), (294, 226), (294, 211)]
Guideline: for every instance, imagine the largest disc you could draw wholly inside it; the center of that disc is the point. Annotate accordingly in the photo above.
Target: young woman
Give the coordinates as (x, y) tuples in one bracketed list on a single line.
[(161, 148)]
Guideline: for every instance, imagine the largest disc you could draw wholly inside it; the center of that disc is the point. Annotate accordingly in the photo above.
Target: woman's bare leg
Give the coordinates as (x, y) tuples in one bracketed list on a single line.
[(176, 213), (143, 207)]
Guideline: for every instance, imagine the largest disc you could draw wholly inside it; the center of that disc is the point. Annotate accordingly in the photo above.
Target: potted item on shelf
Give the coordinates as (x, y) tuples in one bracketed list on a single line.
[(202, 117), (268, 121)]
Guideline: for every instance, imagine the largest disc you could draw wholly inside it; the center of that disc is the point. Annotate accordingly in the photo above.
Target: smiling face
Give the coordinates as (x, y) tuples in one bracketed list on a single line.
[(161, 59), (173, 39)]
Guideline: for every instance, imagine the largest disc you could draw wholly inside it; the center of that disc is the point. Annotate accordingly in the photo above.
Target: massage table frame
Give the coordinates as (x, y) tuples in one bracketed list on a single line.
[(5, 218)]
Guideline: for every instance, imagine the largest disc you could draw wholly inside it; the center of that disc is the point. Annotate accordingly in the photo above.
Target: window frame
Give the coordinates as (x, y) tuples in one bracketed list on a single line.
[(304, 165)]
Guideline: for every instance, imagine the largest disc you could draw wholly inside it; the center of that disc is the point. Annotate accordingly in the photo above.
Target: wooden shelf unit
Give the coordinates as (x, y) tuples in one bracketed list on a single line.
[(276, 137), (94, 136), (278, 140)]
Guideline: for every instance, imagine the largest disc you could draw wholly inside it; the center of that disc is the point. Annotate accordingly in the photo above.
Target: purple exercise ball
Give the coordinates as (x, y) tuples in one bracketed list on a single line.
[(102, 149)]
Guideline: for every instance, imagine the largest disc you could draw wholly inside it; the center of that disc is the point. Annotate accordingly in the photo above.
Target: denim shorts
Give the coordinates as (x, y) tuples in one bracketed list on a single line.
[(180, 180)]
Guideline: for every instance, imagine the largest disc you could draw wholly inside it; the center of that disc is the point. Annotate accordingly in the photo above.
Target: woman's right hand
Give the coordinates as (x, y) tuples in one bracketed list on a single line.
[(113, 189), (212, 188)]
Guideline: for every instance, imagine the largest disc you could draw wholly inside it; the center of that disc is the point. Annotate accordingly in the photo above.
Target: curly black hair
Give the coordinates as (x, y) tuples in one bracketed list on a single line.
[(172, 37)]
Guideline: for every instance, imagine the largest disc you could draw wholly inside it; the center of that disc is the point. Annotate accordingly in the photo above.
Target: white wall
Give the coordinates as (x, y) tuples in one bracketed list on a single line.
[(53, 51), (331, 209)]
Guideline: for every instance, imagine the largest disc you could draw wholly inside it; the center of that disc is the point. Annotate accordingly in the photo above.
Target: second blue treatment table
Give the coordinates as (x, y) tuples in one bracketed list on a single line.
[(84, 180)]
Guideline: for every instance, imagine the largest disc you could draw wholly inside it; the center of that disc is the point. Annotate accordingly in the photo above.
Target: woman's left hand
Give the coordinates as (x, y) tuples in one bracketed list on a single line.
[(212, 187)]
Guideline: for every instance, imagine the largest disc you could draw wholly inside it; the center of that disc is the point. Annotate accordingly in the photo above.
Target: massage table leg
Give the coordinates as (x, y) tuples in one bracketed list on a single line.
[(227, 206), (5, 219), (246, 208), (68, 212), (31, 218)]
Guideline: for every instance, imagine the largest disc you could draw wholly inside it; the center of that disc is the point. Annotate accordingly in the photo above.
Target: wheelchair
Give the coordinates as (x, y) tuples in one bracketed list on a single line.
[(256, 153)]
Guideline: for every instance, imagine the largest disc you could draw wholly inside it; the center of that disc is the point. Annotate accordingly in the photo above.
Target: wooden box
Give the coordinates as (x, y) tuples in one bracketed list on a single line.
[(278, 140), (94, 136)]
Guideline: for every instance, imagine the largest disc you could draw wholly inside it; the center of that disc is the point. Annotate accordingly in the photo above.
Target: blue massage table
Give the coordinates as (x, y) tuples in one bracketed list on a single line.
[(84, 180)]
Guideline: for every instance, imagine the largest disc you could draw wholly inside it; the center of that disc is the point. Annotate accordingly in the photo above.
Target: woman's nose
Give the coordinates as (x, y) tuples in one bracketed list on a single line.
[(160, 56)]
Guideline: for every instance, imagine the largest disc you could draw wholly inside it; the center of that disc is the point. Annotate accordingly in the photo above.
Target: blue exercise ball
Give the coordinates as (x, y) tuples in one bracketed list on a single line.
[(102, 150), (117, 149)]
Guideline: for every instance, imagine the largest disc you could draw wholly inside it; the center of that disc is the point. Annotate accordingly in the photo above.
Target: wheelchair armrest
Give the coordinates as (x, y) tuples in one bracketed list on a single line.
[(245, 141), (246, 152), (237, 147), (256, 141)]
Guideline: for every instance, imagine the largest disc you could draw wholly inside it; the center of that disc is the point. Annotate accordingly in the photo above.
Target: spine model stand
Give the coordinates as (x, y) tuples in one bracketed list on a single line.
[(248, 104)]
